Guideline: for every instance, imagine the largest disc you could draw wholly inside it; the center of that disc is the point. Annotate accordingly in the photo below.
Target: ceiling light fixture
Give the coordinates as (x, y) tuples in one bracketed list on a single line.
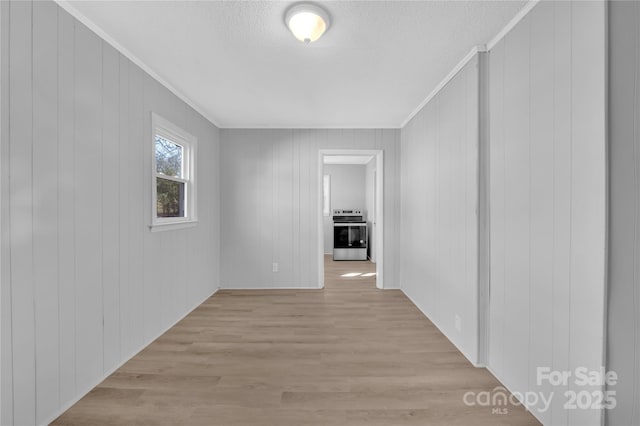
[(307, 21)]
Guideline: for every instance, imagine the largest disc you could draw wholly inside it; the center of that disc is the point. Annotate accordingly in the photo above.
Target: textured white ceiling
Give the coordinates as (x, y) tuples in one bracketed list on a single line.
[(237, 62)]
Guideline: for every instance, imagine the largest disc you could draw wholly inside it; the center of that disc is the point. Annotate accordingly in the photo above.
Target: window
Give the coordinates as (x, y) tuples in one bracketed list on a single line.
[(326, 195), (173, 176)]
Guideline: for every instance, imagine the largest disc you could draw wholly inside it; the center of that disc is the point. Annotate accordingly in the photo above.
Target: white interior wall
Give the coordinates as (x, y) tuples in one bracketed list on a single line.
[(6, 381), (370, 195), (548, 201), (270, 203), (573, 52), (347, 192), (85, 284), (439, 202), (623, 331)]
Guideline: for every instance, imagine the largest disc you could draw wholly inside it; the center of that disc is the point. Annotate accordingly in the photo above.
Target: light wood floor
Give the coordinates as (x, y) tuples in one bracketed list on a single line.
[(346, 355)]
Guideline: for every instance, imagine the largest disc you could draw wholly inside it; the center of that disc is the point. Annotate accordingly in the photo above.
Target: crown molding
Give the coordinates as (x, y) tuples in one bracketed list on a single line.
[(514, 21), (65, 5), (468, 57), (481, 48)]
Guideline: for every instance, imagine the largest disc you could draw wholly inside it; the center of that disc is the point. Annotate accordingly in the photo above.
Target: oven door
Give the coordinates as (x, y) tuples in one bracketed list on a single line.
[(349, 235)]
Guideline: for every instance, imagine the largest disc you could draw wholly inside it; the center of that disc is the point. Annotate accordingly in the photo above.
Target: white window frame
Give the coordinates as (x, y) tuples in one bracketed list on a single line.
[(167, 130)]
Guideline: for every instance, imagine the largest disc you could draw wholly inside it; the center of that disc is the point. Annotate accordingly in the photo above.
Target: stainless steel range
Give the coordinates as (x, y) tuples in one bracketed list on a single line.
[(349, 235)]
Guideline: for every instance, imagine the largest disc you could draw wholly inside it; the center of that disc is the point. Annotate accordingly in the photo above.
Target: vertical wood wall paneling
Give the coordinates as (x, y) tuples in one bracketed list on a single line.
[(635, 410), (467, 245), (21, 212), (623, 332), (136, 214), (428, 136), (75, 136), (263, 216), (588, 194), (392, 149), (517, 205), (547, 130), (561, 200), (471, 211), (45, 205), (209, 250), (635, 413), (248, 192), (303, 139), (66, 206), (284, 209), (439, 151), (317, 139), (483, 209), (450, 124), (542, 207), (3, 229), (276, 238), (215, 205), (6, 349), (88, 207), (257, 186), (287, 175), (226, 180), (497, 196), (124, 167), (110, 207), (295, 199), (265, 162)]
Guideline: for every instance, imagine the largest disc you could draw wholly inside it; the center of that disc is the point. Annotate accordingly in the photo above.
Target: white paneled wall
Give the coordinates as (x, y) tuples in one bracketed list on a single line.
[(623, 325), (85, 284), (439, 234), (270, 203), (6, 378), (547, 200)]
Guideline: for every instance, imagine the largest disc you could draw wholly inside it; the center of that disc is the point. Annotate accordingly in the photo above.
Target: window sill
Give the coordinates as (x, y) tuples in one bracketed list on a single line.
[(170, 226)]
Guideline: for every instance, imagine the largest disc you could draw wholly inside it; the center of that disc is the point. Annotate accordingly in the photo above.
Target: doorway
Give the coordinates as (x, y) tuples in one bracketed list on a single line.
[(374, 178)]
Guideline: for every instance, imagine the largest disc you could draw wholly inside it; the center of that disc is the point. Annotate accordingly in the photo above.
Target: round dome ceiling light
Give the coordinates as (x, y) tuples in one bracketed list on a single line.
[(307, 21)]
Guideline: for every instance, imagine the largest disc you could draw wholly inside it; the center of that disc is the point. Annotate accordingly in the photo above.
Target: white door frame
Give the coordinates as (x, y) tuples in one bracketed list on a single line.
[(379, 234)]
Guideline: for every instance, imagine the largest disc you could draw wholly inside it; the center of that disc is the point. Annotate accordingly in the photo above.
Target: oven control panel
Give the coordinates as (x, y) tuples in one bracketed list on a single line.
[(343, 212)]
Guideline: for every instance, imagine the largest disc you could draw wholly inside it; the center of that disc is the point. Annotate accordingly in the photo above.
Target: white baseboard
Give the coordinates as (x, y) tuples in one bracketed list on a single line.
[(475, 364), (524, 403), (125, 359), (314, 287)]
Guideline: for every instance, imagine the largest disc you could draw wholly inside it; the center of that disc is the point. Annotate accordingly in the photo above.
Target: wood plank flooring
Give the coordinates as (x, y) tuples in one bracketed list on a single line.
[(346, 355)]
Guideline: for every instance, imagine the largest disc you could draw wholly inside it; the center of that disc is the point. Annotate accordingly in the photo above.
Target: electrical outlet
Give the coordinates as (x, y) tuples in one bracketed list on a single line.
[(275, 267), (458, 323)]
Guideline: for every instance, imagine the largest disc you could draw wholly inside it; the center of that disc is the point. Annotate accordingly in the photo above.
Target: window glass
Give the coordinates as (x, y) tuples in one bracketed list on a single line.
[(326, 195), (168, 157), (170, 198)]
